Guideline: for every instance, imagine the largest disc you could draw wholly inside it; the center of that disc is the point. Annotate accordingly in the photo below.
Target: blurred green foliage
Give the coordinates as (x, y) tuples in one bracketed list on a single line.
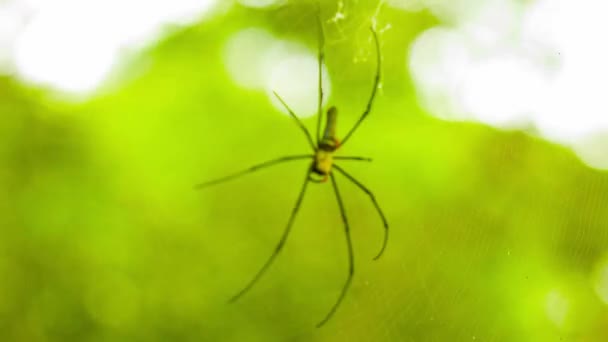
[(495, 235)]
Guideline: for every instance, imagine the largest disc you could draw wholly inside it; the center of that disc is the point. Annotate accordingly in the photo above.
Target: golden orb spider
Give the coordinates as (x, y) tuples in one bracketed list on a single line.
[(322, 165)]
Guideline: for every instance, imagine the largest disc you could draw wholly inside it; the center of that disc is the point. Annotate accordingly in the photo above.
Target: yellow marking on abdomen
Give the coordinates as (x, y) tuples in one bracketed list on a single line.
[(324, 161)]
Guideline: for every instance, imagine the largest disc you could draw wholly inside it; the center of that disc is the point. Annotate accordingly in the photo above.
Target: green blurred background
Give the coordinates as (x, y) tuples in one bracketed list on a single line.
[(495, 235)]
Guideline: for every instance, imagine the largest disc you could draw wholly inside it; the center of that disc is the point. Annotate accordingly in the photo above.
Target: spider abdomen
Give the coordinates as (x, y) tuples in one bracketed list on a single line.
[(323, 162)]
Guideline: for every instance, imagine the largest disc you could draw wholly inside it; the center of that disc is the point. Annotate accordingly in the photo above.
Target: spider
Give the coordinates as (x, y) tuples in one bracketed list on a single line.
[(320, 169)]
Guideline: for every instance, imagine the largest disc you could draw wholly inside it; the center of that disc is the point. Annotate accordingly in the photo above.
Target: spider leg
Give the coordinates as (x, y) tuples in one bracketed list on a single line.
[(351, 262), (373, 198), (353, 158), (252, 169), (279, 246), (320, 59), (295, 117), (374, 89)]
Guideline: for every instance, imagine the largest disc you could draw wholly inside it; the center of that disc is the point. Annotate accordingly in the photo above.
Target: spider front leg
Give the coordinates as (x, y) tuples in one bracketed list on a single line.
[(281, 243), (252, 169)]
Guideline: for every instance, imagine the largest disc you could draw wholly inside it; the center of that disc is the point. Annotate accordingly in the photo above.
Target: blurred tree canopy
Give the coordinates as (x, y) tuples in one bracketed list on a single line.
[(495, 235)]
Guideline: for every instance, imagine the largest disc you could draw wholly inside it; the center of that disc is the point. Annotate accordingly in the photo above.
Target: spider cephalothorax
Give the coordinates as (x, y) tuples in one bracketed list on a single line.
[(322, 164), (326, 147), (329, 142)]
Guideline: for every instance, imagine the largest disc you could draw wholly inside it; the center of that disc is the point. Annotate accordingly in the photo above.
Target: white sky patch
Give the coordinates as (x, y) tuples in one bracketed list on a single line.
[(507, 64), (12, 20), (256, 60), (72, 44), (64, 54), (498, 91)]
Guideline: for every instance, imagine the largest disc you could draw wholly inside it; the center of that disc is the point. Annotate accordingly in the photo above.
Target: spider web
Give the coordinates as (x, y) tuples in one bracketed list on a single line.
[(353, 25), (494, 235), (484, 247)]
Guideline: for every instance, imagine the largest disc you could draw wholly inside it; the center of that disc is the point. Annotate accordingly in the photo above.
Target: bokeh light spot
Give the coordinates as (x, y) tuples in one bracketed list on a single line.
[(592, 150), (502, 91), (52, 51), (256, 60), (12, 19), (408, 5), (439, 61), (601, 280), (295, 80), (260, 3), (245, 57), (73, 45), (557, 307), (510, 65)]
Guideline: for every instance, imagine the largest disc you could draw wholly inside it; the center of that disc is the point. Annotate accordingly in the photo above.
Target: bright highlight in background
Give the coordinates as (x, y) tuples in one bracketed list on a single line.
[(256, 60), (601, 280), (295, 79), (72, 45), (260, 3), (511, 64), (557, 308), (245, 57), (51, 51), (503, 62), (12, 20)]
